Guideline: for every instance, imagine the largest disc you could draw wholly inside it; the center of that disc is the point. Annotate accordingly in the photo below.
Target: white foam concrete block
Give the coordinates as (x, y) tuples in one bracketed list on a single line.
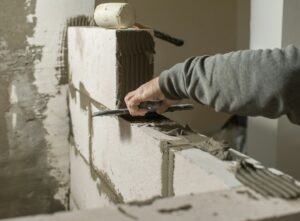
[(196, 171), (134, 159), (85, 184), (234, 205), (131, 155), (106, 64)]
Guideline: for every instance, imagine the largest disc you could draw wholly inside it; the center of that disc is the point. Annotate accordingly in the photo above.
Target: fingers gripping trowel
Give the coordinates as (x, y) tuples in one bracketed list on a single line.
[(151, 106)]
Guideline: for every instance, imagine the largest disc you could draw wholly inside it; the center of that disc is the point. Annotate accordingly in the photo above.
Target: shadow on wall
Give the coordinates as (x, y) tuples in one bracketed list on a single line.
[(208, 27), (124, 131)]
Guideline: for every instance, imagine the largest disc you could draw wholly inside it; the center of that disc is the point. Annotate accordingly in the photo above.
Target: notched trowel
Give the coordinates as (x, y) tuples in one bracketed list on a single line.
[(151, 106)]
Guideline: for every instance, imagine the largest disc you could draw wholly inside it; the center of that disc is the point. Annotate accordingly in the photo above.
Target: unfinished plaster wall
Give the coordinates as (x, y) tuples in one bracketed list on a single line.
[(34, 123), (208, 27)]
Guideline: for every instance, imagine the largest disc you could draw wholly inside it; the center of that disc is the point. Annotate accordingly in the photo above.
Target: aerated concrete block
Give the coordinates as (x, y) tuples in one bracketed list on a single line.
[(86, 186), (196, 171), (133, 155), (144, 160), (128, 155), (106, 64), (138, 159)]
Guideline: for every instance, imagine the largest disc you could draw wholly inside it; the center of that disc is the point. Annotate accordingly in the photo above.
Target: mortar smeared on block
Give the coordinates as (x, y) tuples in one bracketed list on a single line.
[(122, 16)]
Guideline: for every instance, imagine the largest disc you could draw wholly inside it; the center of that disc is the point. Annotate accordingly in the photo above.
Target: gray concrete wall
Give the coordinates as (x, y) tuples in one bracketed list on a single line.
[(34, 123)]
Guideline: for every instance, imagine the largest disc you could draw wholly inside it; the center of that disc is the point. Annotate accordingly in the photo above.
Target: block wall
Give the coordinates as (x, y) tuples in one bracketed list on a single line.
[(125, 159)]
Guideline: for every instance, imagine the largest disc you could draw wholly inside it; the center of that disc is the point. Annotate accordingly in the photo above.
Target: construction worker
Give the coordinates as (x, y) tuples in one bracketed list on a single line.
[(248, 83)]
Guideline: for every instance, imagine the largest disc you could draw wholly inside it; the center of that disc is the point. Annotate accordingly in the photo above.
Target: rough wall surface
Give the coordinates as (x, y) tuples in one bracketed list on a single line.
[(239, 204), (34, 124)]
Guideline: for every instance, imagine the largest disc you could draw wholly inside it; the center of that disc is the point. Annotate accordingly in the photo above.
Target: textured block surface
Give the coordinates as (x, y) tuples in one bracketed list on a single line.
[(132, 156), (86, 191), (106, 64), (129, 156), (196, 171)]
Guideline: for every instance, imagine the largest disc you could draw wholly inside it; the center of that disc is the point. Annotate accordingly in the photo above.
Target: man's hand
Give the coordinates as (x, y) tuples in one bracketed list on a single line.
[(149, 91)]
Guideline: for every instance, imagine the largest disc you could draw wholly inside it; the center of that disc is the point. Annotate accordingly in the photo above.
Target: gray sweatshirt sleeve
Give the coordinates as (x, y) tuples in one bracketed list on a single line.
[(251, 82)]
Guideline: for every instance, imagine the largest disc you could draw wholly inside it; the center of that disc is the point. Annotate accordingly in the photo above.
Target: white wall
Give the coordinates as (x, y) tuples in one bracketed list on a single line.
[(265, 32), (266, 23), (275, 23)]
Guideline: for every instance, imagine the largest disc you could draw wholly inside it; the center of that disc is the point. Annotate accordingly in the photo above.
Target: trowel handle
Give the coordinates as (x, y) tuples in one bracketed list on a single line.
[(152, 106), (166, 37), (163, 36)]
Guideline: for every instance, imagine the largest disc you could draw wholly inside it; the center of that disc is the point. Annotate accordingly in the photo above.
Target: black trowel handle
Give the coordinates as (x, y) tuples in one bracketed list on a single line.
[(166, 37), (163, 36), (151, 106)]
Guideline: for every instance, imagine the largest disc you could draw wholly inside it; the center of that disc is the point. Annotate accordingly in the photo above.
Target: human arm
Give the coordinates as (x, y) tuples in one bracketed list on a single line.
[(250, 83)]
